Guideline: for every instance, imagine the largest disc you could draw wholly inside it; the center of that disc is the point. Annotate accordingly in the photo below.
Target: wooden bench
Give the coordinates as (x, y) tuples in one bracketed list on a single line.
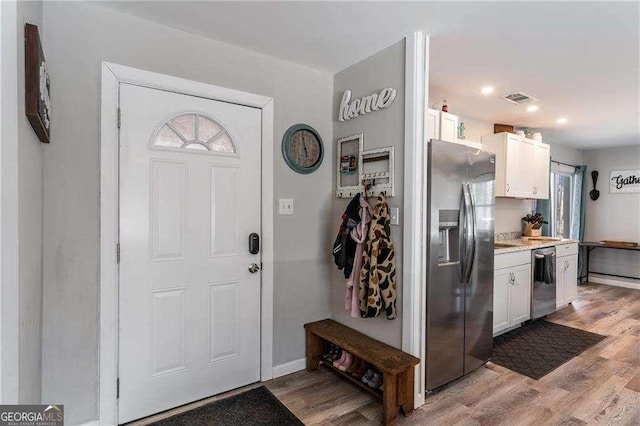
[(397, 367)]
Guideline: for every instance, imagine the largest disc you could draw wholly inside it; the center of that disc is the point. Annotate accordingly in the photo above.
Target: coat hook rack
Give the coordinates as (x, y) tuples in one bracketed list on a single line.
[(377, 171)]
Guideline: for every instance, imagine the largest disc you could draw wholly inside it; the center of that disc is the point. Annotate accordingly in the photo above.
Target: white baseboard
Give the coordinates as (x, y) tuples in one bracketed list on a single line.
[(91, 423), (620, 282), (289, 367)]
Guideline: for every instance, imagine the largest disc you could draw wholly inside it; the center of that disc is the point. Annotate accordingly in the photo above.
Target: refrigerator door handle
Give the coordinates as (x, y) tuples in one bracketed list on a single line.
[(468, 227), (470, 233), (472, 249), (464, 242)]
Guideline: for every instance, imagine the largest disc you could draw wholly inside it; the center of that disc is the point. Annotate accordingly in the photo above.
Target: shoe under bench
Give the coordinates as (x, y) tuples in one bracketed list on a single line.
[(397, 367)]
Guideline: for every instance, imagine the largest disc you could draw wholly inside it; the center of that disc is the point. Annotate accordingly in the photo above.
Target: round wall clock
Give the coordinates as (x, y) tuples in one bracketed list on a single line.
[(302, 148)]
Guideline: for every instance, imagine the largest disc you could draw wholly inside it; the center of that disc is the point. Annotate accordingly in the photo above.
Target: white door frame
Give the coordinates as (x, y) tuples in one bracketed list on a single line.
[(415, 205), (112, 76)]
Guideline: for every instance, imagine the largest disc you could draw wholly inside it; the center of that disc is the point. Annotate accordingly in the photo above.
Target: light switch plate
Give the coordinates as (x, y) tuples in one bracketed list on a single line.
[(395, 215), (285, 206)]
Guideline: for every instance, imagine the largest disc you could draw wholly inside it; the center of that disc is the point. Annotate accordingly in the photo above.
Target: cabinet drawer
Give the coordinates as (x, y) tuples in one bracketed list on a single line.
[(506, 260), (566, 249)]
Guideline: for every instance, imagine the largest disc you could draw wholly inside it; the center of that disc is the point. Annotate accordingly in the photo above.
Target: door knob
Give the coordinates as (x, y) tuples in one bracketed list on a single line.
[(253, 268)]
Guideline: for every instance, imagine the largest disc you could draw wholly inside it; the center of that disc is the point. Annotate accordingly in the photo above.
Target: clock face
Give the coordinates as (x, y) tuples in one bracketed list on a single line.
[(304, 148)]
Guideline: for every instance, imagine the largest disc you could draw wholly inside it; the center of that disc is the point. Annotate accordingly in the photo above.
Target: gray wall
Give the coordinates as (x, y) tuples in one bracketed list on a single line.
[(30, 186), (381, 128), (9, 200), (78, 37), (613, 216)]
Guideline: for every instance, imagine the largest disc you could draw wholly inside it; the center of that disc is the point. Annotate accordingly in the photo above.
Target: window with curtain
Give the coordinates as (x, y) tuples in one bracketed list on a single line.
[(564, 210), (562, 205)]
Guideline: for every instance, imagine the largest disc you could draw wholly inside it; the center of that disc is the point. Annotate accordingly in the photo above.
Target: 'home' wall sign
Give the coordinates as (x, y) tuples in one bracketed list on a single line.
[(374, 102)]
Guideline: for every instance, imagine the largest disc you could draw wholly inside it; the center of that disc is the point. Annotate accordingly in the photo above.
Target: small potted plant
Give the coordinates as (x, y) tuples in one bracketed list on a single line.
[(533, 225)]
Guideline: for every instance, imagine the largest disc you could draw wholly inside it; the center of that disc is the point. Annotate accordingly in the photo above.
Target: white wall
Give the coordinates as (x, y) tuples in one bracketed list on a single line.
[(381, 128), (613, 216), (79, 36), (9, 320), (509, 213), (30, 210), (566, 154), (475, 129)]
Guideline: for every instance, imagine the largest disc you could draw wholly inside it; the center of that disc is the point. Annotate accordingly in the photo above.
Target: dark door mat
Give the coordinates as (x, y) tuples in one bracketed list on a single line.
[(254, 407), (540, 347)]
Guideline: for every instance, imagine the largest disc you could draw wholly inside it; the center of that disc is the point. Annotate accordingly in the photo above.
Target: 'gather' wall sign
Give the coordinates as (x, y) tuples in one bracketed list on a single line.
[(624, 181), (374, 102)]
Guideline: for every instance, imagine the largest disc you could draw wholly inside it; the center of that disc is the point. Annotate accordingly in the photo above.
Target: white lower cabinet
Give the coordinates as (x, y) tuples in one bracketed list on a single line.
[(520, 295), (566, 280), (511, 290)]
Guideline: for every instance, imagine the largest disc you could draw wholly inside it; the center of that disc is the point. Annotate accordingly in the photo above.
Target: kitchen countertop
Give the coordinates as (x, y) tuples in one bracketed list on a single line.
[(522, 244)]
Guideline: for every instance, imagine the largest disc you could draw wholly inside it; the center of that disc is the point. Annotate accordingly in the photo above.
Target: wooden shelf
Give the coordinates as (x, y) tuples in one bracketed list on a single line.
[(396, 367), (374, 391), (387, 358)]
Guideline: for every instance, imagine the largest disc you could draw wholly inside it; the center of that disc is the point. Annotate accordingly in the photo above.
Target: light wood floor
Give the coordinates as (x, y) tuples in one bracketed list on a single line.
[(600, 386)]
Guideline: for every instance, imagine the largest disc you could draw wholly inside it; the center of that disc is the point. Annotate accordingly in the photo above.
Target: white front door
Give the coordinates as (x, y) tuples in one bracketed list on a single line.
[(189, 313)]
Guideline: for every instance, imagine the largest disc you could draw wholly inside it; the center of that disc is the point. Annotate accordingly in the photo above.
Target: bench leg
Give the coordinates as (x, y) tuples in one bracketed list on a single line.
[(389, 398), (315, 346), (406, 390)]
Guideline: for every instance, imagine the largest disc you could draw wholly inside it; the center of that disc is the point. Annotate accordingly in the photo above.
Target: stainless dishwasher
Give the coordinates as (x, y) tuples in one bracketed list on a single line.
[(543, 282)]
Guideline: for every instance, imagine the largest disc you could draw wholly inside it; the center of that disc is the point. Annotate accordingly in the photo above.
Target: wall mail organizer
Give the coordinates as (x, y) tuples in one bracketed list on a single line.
[(349, 165), (374, 166)]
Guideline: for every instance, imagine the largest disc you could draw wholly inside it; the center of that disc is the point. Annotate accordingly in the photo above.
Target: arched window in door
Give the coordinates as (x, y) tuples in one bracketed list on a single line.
[(193, 131)]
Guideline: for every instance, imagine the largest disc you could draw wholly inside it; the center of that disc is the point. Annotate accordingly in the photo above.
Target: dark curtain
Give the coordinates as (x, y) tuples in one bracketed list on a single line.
[(578, 212)]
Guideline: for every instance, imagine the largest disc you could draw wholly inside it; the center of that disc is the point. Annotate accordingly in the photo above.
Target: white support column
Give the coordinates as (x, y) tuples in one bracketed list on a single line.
[(415, 163)]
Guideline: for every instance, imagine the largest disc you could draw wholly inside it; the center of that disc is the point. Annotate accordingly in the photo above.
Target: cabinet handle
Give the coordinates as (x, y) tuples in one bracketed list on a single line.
[(508, 187)]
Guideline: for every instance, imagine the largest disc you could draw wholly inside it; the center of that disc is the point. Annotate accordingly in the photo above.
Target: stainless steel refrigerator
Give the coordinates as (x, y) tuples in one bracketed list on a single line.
[(459, 287)]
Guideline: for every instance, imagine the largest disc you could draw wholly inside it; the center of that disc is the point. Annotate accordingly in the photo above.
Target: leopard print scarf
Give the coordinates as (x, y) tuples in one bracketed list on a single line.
[(377, 289)]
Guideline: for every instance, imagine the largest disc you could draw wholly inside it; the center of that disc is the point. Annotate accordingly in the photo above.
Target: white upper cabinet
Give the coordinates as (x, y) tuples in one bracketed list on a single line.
[(433, 124), (448, 127), (522, 165), (442, 126), (541, 163)]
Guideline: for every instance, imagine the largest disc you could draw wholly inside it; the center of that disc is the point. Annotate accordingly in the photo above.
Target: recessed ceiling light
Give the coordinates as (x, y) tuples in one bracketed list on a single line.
[(561, 120), (532, 108), (487, 90)]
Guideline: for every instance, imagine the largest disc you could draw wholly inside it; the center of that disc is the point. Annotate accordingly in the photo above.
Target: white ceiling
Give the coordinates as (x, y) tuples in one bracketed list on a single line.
[(580, 59)]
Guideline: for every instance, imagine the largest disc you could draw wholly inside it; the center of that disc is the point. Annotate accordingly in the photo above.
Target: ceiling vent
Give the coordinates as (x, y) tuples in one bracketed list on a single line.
[(519, 98)]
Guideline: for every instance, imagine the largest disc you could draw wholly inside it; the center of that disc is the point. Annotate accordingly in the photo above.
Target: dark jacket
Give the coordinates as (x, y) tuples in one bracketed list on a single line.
[(344, 248)]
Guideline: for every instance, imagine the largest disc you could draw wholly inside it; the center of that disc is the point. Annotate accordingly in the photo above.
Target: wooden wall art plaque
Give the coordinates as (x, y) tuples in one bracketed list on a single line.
[(37, 100)]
